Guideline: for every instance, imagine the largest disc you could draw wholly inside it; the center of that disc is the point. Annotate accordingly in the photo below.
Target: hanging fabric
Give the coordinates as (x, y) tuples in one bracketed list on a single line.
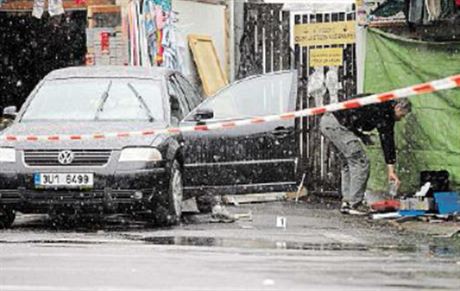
[(152, 35), (55, 7), (156, 15), (433, 8), (38, 8)]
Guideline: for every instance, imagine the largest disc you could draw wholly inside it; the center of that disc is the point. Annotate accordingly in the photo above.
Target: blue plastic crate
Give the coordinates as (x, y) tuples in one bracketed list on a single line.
[(447, 202)]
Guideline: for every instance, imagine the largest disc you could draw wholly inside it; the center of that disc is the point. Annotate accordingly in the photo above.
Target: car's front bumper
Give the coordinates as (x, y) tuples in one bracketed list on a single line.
[(116, 192)]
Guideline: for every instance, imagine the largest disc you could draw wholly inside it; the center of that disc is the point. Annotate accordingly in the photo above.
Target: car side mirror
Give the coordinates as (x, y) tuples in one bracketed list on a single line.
[(10, 112), (202, 114)]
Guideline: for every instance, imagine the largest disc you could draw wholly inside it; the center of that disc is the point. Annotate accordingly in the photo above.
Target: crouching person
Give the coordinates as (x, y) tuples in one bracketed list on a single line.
[(344, 129)]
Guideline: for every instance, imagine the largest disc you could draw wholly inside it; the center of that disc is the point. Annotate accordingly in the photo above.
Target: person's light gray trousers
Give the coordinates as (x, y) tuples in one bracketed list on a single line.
[(355, 164)]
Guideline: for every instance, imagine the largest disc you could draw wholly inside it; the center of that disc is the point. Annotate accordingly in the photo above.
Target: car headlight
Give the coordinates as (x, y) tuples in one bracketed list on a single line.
[(7, 155), (140, 155)]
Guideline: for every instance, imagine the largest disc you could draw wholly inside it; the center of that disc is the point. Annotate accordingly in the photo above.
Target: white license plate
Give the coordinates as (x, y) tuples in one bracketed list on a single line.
[(64, 180)]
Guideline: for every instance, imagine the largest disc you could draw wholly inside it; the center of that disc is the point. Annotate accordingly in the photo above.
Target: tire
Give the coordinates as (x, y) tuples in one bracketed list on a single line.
[(7, 217), (167, 208)]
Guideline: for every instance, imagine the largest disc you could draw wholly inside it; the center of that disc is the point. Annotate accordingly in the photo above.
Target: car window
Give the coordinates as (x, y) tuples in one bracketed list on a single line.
[(82, 98), (257, 96), (179, 106), (193, 98)]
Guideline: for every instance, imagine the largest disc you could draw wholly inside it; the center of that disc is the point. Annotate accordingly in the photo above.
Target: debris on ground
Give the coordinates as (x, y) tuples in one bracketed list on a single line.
[(254, 198)]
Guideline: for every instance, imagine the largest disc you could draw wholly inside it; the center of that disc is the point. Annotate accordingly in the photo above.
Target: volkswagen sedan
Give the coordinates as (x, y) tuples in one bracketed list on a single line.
[(146, 174)]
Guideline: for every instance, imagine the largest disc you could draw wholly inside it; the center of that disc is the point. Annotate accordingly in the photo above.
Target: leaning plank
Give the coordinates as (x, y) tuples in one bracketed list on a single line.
[(209, 68), (254, 198)]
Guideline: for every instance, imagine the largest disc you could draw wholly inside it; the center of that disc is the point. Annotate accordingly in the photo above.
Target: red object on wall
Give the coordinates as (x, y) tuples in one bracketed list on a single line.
[(105, 43), (457, 2)]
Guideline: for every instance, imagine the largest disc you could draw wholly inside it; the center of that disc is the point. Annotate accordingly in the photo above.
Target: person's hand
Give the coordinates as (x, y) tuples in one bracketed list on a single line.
[(392, 176)]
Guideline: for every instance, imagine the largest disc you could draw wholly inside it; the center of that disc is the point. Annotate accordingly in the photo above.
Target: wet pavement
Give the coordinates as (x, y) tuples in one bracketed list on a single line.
[(318, 250)]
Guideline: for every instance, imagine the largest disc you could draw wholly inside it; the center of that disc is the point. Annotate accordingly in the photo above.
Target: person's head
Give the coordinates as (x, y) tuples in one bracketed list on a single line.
[(402, 108)]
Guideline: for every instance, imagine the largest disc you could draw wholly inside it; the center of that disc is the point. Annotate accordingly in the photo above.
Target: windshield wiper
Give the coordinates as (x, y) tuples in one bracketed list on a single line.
[(141, 100), (103, 99)]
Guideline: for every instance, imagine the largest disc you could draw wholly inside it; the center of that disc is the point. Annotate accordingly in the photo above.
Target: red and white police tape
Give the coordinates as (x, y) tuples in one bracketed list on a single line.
[(430, 87)]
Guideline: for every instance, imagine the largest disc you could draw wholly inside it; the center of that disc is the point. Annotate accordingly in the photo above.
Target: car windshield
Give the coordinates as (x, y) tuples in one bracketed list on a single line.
[(97, 99)]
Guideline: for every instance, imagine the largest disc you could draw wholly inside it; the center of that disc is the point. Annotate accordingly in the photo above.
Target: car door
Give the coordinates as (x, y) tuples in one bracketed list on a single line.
[(255, 158)]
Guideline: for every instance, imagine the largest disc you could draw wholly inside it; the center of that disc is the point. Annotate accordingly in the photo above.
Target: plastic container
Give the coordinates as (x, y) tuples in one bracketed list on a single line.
[(392, 189), (412, 212), (447, 202)]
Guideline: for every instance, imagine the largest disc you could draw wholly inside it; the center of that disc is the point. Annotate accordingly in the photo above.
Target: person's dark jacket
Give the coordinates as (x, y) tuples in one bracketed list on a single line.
[(377, 116)]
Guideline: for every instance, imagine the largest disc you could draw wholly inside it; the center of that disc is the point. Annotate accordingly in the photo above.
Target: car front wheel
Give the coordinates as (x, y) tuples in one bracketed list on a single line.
[(7, 217), (167, 208)]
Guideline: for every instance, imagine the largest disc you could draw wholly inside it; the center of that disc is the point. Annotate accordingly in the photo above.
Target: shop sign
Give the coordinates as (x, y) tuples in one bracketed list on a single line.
[(330, 33), (327, 57)]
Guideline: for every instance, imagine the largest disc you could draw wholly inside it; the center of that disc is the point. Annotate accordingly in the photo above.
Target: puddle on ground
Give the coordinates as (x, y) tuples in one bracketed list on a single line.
[(442, 250), (251, 243), (55, 241)]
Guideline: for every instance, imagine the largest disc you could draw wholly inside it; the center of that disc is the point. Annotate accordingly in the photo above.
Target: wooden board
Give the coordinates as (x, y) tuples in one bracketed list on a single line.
[(209, 68), (254, 198)]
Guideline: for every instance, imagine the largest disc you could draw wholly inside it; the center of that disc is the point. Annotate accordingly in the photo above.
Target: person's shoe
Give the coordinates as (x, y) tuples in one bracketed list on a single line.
[(345, 208), (221, 214), (358, 209)]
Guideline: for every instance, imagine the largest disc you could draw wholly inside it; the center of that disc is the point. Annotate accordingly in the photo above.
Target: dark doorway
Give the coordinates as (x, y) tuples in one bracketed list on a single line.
[(30, 48)]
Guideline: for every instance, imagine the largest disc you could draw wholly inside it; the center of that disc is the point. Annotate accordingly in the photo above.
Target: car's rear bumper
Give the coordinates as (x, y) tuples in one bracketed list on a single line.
[(111, 193)]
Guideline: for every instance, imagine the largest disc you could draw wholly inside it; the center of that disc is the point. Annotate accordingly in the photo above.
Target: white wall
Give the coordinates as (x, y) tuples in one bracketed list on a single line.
[(201, 18)]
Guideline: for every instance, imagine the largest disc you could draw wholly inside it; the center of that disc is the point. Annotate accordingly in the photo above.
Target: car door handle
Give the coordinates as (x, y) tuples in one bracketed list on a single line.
[(281, 132)]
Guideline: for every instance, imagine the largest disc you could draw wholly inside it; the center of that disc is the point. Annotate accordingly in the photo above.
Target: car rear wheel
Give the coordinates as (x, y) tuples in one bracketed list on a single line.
[(167, 209), (7, 217)]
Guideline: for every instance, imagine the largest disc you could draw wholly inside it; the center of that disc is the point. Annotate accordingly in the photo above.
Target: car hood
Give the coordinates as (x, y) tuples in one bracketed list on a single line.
[(77, 128)]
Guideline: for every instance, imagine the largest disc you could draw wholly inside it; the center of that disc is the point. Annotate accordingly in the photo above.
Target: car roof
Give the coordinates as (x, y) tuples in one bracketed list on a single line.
[(109, 72)]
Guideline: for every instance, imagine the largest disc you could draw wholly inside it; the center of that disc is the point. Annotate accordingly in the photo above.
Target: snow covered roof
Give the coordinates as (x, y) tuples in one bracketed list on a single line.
[(108, 71)]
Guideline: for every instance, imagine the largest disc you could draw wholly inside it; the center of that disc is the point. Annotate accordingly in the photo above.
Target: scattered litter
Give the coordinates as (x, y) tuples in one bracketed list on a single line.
[(230, 200), (254, 198), (424, 190), (418, 203), (386, 205), (412, 212), (190, 206), (389, 215), (300, 188), (243, 216), (268, 282), (221, 214), (281, 245)]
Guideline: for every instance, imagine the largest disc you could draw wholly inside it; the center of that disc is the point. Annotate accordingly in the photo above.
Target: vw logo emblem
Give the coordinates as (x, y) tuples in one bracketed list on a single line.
[(65, 157)]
